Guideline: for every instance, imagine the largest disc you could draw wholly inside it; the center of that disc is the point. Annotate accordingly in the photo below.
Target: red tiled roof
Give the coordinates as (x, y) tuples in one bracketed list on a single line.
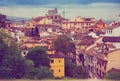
[(57, 55), (86, 42), (100, 22), (38, 18)]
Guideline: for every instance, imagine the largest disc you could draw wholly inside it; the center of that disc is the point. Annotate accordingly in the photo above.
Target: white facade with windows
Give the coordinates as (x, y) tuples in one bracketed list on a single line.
[(111, 32)]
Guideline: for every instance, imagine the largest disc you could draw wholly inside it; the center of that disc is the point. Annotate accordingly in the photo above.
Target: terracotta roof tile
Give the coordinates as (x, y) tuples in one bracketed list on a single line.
[(100, 22)]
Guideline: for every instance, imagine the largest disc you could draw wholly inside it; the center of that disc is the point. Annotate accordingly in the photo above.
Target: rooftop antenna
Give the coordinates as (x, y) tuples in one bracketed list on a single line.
[(63, 14)]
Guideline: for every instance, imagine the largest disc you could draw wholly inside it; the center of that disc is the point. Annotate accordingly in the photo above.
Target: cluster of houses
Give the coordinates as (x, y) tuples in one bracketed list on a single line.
[(97, 43), (102, 56)]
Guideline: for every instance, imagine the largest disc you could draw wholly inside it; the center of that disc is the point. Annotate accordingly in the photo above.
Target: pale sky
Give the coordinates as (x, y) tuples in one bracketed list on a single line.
[(99, 9)]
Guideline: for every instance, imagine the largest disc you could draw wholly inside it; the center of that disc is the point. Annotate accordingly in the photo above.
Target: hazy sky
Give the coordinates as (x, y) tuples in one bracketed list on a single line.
[(100, 9)]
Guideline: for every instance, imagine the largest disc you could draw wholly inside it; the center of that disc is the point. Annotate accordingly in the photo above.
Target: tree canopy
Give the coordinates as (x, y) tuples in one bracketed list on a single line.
[(64, 44), (39, 56), (11, 61), (14, 66), (36, 72), (35, 33), (113, 74), (3, 20), (37, 64), (5, 37), (74, 71)]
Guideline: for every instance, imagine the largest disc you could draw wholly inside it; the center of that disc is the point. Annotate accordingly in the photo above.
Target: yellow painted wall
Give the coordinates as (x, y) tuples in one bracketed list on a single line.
[(100, 26), (32, 24), (113, 60), (50, 51), (30, 45), (42, 21), (58, 67), (24, 39)]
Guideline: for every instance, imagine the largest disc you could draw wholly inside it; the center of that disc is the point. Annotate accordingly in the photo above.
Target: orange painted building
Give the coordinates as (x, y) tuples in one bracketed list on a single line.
[(100, 24)]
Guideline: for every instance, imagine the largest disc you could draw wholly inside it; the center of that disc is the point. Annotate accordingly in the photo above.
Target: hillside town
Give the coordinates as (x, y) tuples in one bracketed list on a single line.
[(96, 44)]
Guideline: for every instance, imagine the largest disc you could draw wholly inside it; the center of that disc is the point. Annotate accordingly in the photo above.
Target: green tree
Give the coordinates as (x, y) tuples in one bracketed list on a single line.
[(12, 64), (39, 56), (30, 70), (113, 75), (3, 20), (3, 46), (44, 72), (80, 72), (37, 31), (69, 68), (5, 37), (74, 71), (36, 72), (64, 44), (32, 32)]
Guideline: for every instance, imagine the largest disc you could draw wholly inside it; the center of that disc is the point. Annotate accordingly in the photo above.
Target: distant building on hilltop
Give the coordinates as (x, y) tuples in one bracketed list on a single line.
[(100, 24), (54, 16), (81, 23)]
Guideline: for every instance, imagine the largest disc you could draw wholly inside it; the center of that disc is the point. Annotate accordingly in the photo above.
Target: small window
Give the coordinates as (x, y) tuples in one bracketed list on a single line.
[(59, 61), (52, 61), (55, 17), (24, 53), (59, 70)]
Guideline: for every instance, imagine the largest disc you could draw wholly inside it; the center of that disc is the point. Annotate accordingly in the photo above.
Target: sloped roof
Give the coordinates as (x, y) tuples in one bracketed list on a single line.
[(57, 55), (113, 70), (86, 42), (111, 39), (100, 22)]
